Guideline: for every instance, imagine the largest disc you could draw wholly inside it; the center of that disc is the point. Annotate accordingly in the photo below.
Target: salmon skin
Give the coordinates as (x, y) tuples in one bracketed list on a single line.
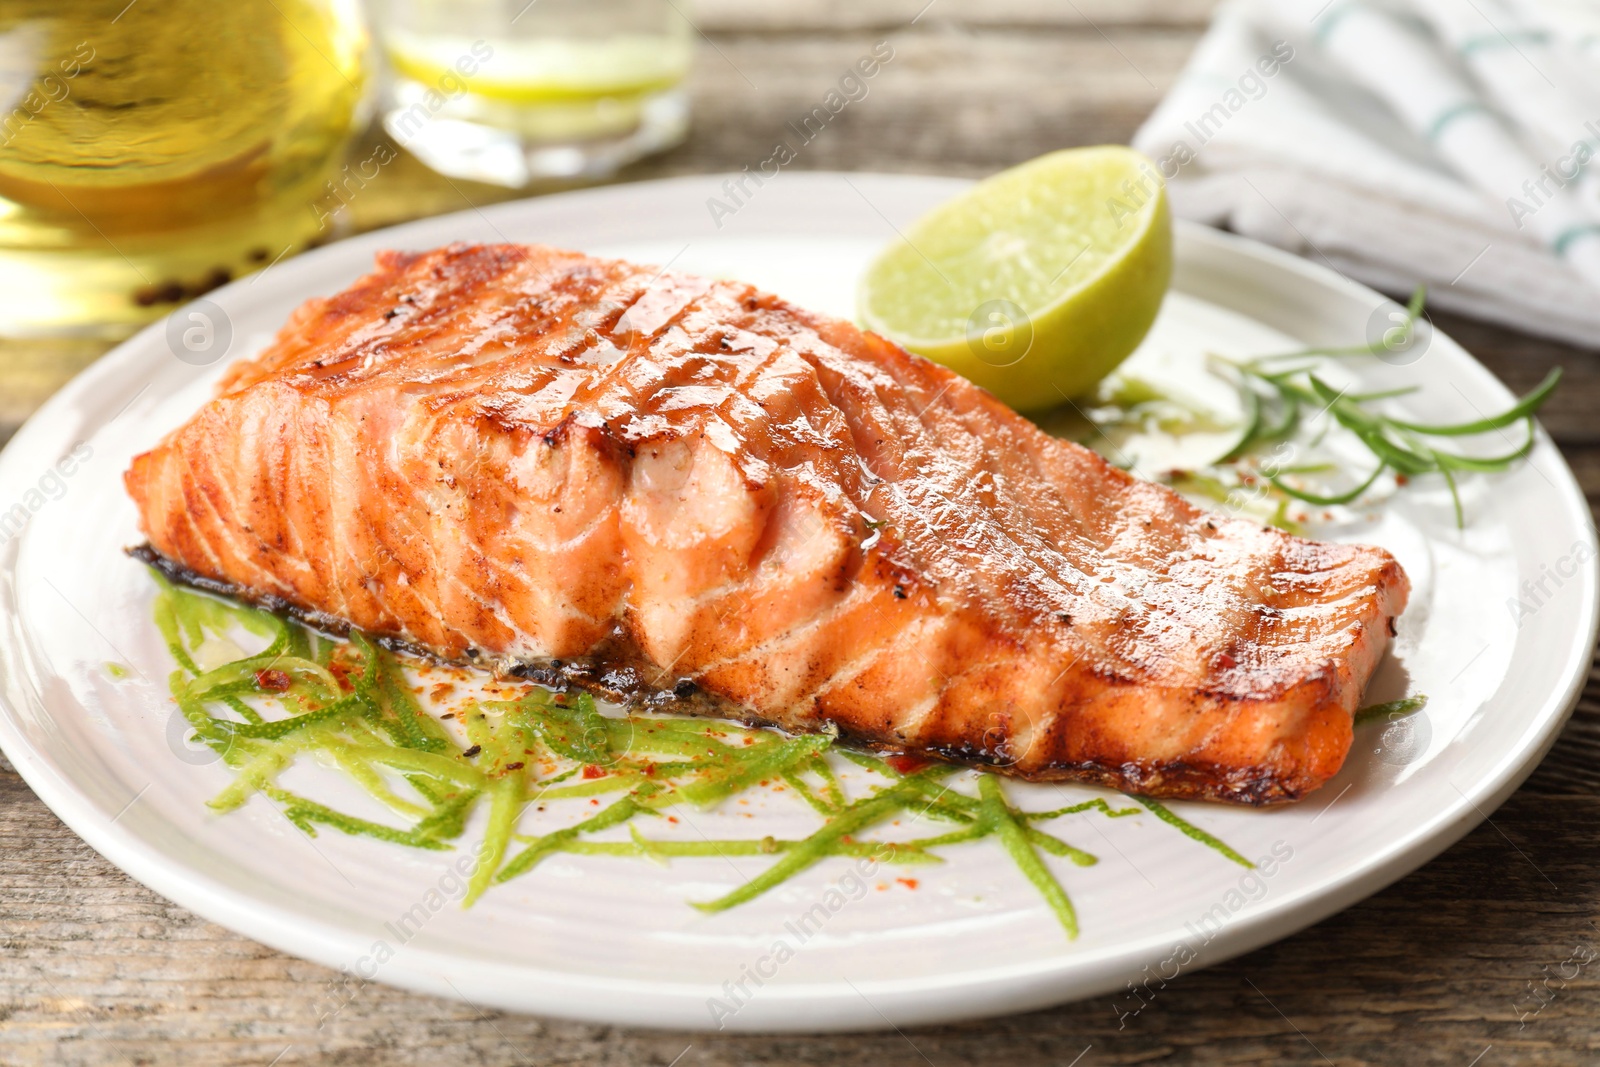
[(646, 483)]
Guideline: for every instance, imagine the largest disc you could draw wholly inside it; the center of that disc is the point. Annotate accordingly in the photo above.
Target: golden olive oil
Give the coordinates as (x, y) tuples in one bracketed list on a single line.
[(152, 150)]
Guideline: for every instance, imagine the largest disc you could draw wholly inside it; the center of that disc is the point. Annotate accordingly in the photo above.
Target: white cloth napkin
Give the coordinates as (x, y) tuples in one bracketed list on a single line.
[(1453, 143)]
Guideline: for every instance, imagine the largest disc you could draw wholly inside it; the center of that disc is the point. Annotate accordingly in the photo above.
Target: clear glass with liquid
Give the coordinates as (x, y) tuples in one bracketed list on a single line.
[(151, 151), (511, 91)]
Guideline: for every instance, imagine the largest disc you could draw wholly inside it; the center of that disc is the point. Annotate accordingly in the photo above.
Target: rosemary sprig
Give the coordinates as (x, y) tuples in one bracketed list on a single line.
[(1274, 397), (1278, 394)]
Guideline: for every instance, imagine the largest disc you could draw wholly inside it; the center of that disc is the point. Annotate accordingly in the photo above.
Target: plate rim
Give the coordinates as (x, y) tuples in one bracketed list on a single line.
[(814, 1006)]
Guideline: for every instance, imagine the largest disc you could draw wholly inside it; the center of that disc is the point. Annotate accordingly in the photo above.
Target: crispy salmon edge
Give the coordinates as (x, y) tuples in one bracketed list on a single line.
[(1251, 786)]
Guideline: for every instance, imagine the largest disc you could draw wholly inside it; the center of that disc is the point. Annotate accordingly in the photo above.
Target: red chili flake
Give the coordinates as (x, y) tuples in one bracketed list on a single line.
[(275, 680), (1225, 660), (649, 770), (749, 740), (591, 771), (907, 764), (341, 674), (1401, 479), (442, 690), (595, 802), (909, 883), (672, 819)]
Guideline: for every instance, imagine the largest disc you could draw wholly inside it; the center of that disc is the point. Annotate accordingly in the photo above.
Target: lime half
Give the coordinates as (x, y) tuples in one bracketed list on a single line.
[(1035, 283)]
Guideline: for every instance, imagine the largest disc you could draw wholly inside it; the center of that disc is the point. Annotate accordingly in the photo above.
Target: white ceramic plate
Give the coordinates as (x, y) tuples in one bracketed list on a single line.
[(613, 940)]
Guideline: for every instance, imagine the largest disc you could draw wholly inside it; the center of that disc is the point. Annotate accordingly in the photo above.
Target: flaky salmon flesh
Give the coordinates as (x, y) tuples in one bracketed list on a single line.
[(583, 470)]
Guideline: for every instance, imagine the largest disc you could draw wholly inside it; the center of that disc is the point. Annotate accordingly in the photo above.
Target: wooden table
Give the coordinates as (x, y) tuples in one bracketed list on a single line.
[(95, 969)]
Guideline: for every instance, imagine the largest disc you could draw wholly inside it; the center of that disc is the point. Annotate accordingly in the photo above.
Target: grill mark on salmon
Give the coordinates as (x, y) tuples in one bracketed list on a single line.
[(650, 485)]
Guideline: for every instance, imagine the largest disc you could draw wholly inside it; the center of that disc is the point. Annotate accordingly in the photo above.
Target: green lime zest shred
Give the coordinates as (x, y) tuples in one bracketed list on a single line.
[(1001, 819), (506, 801), (1190, 830), (306, 813), (744, 769), (1097, 804), (833, 792), (616, 814), (881, 805), (1391, 710), (804, 792), (903, 852)]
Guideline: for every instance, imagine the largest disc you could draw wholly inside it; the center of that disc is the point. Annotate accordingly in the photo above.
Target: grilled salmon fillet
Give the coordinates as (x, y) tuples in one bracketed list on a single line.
[(646, 482)]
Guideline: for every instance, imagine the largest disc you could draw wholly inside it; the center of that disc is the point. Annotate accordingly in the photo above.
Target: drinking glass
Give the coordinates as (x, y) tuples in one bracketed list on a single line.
[(510, 91)]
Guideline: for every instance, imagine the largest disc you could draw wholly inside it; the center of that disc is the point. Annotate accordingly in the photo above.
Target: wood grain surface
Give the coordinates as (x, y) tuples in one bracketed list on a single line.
[(1439, 969)]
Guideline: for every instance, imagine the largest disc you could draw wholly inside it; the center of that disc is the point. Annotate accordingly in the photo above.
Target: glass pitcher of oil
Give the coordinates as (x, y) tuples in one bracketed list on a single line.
[(151, 150)]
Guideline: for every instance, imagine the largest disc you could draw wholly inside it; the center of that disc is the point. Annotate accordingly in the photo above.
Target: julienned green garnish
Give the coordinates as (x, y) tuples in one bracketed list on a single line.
[(348, 705), (1275, 391)]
